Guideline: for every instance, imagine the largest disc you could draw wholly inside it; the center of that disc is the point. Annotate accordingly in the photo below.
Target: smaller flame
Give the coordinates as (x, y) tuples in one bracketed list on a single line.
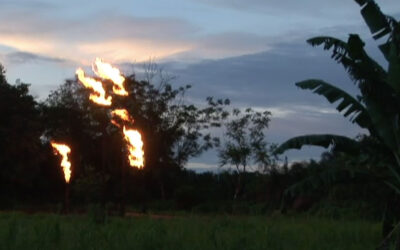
[(99, 96), (63, 150), (122, 114), (107, 71), (135, 147)]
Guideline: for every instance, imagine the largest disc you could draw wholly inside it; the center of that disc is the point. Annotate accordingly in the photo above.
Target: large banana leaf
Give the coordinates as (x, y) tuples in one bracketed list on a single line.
[(347, 102), (378, 23), (372, 81), (353, 57), (340, 48), (374, 18), (340, 143)]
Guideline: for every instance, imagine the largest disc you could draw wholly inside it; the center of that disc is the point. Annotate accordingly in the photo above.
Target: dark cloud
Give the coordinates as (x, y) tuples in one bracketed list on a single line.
[(25, 57), (265, 81)]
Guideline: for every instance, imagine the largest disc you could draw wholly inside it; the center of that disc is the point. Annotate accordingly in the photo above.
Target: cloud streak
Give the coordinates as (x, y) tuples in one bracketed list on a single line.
[(21, 57), (119, 38)]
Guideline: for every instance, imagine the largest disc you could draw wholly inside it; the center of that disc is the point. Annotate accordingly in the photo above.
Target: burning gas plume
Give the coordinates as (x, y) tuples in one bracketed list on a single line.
[(132, 137), (122, 114), (135, 145), (99, 95), (63, 150), (108, 72)]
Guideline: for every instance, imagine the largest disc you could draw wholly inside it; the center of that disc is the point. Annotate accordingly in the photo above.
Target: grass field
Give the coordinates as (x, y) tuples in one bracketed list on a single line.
[(47, 231)]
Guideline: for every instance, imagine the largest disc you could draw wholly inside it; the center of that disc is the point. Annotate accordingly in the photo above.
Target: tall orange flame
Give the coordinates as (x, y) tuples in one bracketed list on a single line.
[(99, 95), (107, 71), (132, 137), (135, 147), (63, 150)]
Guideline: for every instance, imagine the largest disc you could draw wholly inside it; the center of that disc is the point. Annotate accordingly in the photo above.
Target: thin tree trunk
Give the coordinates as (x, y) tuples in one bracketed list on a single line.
[(123, 185), (162, 190), (66, 198), (103, 167), (238, 186)]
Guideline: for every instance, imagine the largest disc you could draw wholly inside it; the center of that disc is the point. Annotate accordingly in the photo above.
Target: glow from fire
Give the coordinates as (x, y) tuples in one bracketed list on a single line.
[(135, 147), (63, 150), (99, 95), (107, 71), (123, 114)]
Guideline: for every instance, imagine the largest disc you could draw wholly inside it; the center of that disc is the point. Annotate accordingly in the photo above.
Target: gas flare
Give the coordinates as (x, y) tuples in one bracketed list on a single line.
[(132, 137), (63, 150), (123, 114), (135, 147), (107, 71), (99, 95)]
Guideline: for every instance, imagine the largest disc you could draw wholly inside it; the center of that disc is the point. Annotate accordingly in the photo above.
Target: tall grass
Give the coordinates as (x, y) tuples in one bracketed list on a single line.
[(56, 232)]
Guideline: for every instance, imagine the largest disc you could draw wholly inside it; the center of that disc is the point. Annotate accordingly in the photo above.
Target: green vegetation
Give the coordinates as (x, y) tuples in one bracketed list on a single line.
[(19, 231)]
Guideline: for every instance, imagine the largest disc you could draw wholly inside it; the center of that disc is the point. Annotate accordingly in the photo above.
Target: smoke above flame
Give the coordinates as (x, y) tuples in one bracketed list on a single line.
[(99, 95), (132, 137), (108, 72), (63, 150)]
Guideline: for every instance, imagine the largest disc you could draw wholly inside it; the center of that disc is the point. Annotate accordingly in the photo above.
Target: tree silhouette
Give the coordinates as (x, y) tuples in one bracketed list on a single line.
[(24, 161), (245, 143)]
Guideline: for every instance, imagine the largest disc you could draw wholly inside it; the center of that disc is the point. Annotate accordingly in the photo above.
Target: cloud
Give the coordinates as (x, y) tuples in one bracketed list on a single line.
[(63, 30), (203, 167), (226, 44), (265, 81), (286, 111), (20, 57), (324, 9), (107, 35), (119, 37)]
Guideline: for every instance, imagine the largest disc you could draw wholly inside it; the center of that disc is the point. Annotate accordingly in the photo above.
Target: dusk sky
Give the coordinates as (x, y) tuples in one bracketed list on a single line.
[(251, 51)]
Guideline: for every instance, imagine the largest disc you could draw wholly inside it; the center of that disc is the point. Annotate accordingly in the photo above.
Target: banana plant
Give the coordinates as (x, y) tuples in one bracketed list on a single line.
[(377, 108)]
